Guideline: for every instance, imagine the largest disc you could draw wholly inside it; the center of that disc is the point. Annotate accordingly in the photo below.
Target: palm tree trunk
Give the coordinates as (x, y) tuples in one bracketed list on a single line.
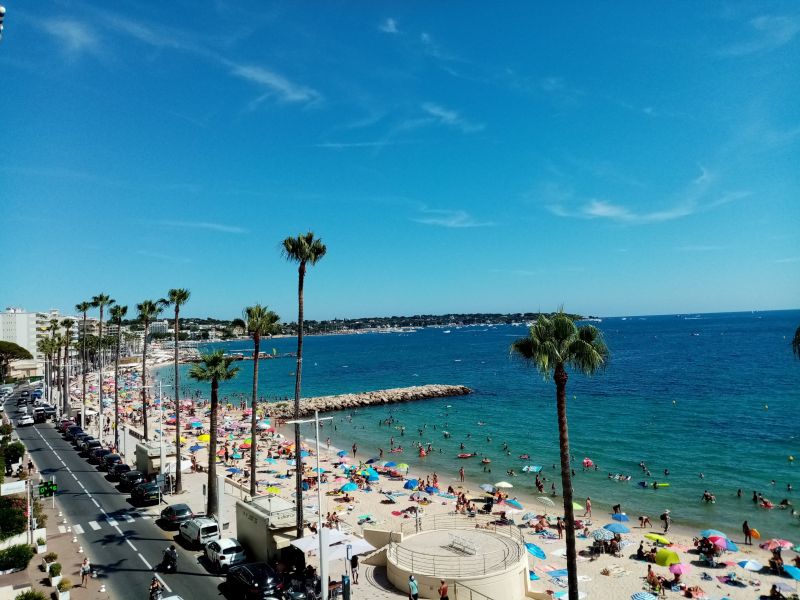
[(212, 506), (297, 382), (253, 421), (83, 368), (65, 398), (144, 384), (178, 477), (116, 386), (560, 377)]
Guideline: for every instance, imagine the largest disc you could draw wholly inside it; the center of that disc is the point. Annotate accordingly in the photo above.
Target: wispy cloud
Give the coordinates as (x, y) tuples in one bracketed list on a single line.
[(389, 26), (453, 219), (276, 85), (220, 227), (74, 36), (450, 118), (696, 197), (768, 32)]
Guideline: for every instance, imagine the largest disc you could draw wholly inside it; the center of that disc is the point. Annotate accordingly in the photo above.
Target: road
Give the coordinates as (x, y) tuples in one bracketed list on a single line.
[(122, 543)]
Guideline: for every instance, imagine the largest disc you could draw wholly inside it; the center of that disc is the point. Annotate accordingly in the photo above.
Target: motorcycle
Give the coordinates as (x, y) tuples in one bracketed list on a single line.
[(170, 562)]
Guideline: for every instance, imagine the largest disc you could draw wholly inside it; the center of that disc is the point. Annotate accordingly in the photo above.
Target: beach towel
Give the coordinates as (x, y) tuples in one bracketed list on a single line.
[(533, 576), (545, 568), (558, 573)]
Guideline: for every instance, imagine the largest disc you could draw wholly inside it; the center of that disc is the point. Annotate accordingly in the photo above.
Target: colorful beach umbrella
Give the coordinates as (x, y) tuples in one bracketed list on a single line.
[(577, 506), (390, 464), (617, 528), (196, 447), (411, 484), (514, 503), (657, 538), (643, 596), (402, 467), (750, 565), (535, 551), (348, 487), (666, 557), (621, 517), (234, 470), (680, 568), (603, 535), (707, 533), (204, 438), (774, 544), (724, 543), (341, 453)]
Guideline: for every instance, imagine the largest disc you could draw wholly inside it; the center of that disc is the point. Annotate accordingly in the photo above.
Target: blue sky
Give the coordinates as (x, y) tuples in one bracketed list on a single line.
[(616, 158)]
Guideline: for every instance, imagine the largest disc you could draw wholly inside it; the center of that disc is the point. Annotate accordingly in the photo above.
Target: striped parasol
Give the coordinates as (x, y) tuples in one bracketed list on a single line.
[(603, 534), (546, 501)]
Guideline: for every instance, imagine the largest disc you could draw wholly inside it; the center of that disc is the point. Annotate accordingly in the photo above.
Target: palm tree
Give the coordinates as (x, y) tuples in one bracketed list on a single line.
[(796, 343), (553, 344), (176, 298), (67, 324), (83, 307), (46, 347), (53, 332), (214, 367), (148, 311), (303, 249), (118, 312), (258, 321)]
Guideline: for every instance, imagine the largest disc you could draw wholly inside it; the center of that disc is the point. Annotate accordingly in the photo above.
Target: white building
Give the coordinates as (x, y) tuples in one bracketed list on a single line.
[(159, 327), (19, 327)]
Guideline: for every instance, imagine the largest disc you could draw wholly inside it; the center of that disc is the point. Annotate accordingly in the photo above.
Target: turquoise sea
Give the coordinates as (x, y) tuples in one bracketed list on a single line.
[(716, 394)]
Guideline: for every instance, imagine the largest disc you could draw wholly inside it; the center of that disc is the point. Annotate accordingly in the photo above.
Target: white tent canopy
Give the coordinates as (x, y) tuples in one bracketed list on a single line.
[(186, 467), (359, 546), (306, 544)]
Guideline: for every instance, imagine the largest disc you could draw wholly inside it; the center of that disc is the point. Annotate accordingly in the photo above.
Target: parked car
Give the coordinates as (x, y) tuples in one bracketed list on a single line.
[(224, 553), (145, 492), (39, 415), (71, 432), (129, 480), (252, 581), (199, 531), (49, 410), (109, 460), (36, 394), (176, 514), (80, 438), (24, 421), (96, 455), (118, 470), (89, 445), (64, 423)]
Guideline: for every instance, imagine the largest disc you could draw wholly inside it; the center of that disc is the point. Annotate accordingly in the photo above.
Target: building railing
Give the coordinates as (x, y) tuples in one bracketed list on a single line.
[(458, 521), (464, 592), (452, 566)]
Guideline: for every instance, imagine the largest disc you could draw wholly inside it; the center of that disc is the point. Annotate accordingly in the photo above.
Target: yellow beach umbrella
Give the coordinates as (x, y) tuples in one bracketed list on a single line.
[(577, 506), (183, 440), (666, 557), (273, 490), (657, 538), (204, 438)]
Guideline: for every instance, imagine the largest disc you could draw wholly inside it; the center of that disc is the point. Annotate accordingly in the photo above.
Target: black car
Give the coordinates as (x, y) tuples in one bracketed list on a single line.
[(89, 445), (253, 581), (145, 492), (118, 470), (80, 438), (71, 432), (96, 455), (129, 480), (176, 514), (109, 460), (50, 411)]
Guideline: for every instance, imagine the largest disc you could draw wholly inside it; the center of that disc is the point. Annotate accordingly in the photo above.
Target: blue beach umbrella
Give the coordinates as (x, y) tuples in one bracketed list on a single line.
[(643, 596), (709, 532), (621, 517), (616, 528), (792, 572), (234, 470), (196, 447), (304, 453), (488, 488), (535, 551), (750, 565), (391, 463), (602, 535), (411, 484), (370, 473), (341, 453), (431, 490), (514, 503), (348, 487), (292, 462), (529, 516), (270, 461)]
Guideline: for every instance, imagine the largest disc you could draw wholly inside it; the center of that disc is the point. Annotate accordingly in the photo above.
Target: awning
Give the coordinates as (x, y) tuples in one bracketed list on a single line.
[(311, 542), (283, 540)]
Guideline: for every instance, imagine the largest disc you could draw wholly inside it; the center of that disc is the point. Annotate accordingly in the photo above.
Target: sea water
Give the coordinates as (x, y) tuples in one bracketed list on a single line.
[(712, 397)]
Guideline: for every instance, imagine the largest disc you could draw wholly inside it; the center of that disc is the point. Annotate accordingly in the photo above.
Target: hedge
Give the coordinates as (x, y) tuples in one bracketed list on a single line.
[(31, 595), (15, 557)]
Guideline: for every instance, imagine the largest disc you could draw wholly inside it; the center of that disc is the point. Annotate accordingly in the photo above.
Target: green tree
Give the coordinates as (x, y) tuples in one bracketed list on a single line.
[(796, 343), (176, 298), (67, 324), (304, 250), (553, 344), (213, 367), (148, 311), (10, 351), (118, 313), (83, 307), (258, 321)]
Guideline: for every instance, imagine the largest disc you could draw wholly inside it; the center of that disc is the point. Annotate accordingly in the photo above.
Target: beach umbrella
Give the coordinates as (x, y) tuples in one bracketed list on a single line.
[(617, 528), (750, 565), (545, 501), (657, 538), (411, 484), (643, 596), (372, 460), (245, 445), (236, 455), (529, 516), (261, 426), (503, 484), (666, 557), (577, 506), (204, 438), (341, 453), (621, 517), (196, 447), (792, 572), (680, 568), (221, 452), (420, 496), (304, 453), (197, 424), (535, 551), (270, 460), (291, 462), (318, 470), (587, 462), (514, 503), (273, 490), (402, 467), (602, 535), (391, 463), (783, 587), (348, 487), (774, 544), (487, 487), (234, 470), (707, 533), (724, 543), (431, 490)]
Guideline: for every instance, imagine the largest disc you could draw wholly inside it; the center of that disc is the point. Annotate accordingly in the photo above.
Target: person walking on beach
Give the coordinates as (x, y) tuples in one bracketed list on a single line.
[(461, 474), (560, 528), (748, 539), (413, 588), (667, 520), (355, 449), (588, 512)]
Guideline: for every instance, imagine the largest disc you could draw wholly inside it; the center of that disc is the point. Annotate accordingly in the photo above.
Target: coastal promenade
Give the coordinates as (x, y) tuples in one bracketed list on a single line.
[(285, 410)]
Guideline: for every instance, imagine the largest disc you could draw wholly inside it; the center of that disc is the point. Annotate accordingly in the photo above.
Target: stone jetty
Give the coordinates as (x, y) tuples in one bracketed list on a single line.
[(285, 410)]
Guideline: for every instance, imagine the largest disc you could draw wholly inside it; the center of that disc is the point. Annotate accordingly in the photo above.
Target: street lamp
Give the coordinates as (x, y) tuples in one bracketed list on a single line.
[(323, 546)]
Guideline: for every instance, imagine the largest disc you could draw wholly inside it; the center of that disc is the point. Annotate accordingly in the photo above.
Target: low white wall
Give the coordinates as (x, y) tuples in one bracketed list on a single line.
[(22, 538)]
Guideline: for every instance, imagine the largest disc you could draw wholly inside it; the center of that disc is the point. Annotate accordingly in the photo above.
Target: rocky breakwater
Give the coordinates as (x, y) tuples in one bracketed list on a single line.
[(285, 410)]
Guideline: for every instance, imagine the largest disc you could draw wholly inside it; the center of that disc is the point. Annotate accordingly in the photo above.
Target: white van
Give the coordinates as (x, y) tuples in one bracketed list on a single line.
[(199, 531)]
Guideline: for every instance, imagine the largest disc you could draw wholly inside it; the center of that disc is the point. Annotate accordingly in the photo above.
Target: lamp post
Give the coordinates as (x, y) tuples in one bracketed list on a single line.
[(323, 547)]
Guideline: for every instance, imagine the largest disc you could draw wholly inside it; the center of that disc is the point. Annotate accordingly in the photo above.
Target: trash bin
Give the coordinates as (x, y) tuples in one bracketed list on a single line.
[(345, 587)]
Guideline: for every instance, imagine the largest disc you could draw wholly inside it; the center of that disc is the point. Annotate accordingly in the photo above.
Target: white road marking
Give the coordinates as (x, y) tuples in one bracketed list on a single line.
[(73, 476), (77, 529), (164, 583), (94, 525), (95, 502), (62, 529), (144, 560), (131, 545), (128, 518), (111, 521), (80, 483)]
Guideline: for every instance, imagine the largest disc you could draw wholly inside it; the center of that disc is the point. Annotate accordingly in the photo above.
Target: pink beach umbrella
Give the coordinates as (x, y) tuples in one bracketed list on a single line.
[(680, 568), (774, 544)]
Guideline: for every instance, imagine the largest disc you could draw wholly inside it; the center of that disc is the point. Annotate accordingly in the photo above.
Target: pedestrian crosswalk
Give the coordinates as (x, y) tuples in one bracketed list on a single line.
[(106, 522)]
